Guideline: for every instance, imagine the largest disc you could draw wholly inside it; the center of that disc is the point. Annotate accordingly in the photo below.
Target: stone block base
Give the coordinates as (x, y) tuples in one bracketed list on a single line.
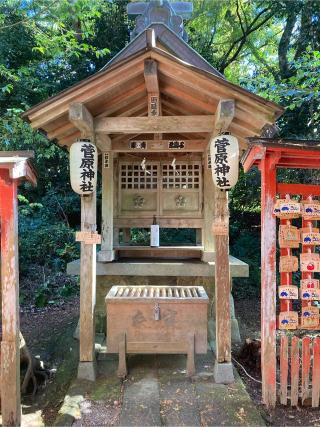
[(223, 373), (106, 256), (87, 371)]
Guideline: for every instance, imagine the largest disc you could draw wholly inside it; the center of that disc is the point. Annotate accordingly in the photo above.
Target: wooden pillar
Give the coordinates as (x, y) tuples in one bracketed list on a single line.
[(198, 236), (87, 291), (222, 278), (10, 348), (208, 213), (268, 282), (107, 252), (126, 236)]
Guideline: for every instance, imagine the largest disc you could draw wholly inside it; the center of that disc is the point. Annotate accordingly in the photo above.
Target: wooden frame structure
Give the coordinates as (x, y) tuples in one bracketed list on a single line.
[(14, 167), (156, 100), (269, 155)]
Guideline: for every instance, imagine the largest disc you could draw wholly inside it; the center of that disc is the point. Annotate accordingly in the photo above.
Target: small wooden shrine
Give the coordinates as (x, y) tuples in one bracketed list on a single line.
[(152, 111), (296, 315)]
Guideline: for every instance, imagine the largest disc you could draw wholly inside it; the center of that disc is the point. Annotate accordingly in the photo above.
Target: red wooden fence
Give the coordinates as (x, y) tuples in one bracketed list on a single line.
[(299, 370)]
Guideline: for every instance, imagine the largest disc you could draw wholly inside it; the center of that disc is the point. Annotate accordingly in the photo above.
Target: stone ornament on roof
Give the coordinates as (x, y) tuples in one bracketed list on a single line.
[(160, 11)]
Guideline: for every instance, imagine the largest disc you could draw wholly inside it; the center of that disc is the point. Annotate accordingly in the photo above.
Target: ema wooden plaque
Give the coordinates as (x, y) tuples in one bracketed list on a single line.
[(308, 294), (310, 238), (287, 209), (88, 237), (310, 317), (310, 283), (288, 292), (310, 262), (289, 236), (288, 264), (288, 320), (311, 211)]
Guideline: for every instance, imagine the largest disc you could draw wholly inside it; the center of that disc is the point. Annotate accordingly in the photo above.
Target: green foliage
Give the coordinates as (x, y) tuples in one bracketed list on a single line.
[(46, 244)]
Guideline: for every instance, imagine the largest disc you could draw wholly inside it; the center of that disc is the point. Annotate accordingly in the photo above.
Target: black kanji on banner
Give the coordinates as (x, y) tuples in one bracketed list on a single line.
[(222, 167), (87, 165)]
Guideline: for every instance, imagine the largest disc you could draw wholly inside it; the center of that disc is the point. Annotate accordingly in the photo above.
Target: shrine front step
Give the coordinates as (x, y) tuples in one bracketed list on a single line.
[(157, 393)]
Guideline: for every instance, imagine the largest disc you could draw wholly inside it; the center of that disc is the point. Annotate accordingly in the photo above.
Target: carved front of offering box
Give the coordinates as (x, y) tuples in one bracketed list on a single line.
[(162, 188)]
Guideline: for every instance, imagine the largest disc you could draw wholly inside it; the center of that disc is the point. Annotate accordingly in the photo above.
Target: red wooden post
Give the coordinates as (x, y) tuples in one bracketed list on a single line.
[(268, 281), (10, 351), (316, 373)]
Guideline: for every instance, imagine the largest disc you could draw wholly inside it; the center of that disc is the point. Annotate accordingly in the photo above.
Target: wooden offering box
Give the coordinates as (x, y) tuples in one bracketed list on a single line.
[(162, 319)]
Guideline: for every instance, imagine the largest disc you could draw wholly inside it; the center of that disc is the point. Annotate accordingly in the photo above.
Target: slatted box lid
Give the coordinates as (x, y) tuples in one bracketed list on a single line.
[(172, 294)]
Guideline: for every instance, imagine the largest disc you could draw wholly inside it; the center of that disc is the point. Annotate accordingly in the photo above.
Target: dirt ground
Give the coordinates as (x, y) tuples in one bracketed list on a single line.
[(49, 334)]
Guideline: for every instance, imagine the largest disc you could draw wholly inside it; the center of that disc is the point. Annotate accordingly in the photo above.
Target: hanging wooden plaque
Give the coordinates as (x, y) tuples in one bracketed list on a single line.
[(310, 283), (310, 238), (308, 294), (289, 236), (88, 237), (287, 209), (310, 317), (288, 320), (310, 262), (288, 264), (288, 292), (311, 211)]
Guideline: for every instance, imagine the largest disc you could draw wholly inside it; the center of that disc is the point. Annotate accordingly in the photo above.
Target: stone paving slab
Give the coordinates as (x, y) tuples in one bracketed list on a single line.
[(226, 405), (158, 393), (184, 401), (141, 403)]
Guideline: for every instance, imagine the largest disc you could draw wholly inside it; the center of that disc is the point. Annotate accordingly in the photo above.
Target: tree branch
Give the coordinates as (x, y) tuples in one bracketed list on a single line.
[(241, 40)]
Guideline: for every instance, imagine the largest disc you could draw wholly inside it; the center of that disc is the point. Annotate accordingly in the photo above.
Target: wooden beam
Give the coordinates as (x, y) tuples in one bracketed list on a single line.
[(196, 145), (214, 87), (222, 280), (129, 93), (151, 76), (268, 282), (224, 115), (100, 84), (81, 118), (87, 284), (61, 132), (152, 85), (176, 96), (107, 253), (160, 124), (223, 118), (208, 211), (10, 344)]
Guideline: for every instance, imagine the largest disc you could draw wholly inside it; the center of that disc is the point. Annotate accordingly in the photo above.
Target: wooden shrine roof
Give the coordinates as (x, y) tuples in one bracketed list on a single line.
[(119, 90), (19, 165), (165, 38), (287, 153)]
